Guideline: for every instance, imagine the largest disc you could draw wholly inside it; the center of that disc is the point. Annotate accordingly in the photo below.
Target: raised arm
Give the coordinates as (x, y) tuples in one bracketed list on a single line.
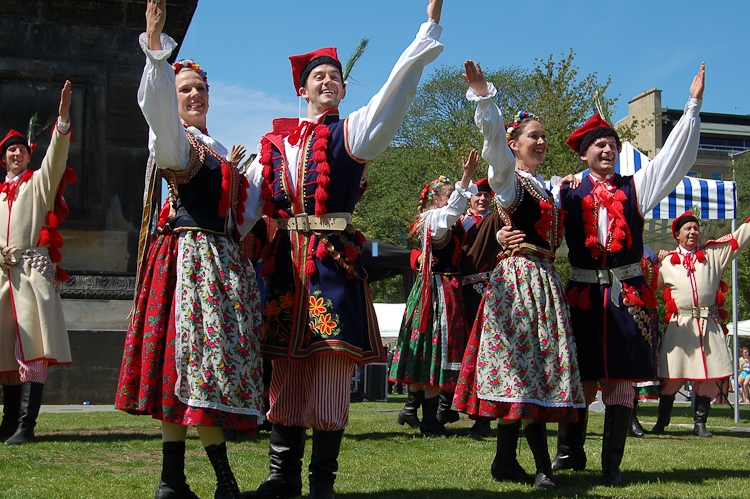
[(671, 164), (442, 219), (371, 128), (157, 96), (495, 150), (53, 165)]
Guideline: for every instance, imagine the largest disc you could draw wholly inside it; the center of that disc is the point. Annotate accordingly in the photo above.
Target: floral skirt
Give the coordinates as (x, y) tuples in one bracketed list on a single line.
[(191, 350), (521, 361), (431, 354)]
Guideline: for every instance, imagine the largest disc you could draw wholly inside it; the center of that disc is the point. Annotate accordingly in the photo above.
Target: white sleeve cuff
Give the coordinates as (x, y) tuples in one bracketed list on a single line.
[(473, 97), (430, 30), (167, 42)]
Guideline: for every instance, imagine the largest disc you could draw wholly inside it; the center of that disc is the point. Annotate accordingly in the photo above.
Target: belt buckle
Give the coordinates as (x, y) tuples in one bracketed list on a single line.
[(696, 313), (306, 218), (604, 277)]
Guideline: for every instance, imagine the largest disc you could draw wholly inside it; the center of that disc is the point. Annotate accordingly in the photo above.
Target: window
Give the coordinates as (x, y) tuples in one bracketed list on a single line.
[(717, 176)]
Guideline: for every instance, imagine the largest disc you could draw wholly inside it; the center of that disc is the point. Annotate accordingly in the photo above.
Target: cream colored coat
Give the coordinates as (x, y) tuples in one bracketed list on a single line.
[(30, 307), (684, 354)]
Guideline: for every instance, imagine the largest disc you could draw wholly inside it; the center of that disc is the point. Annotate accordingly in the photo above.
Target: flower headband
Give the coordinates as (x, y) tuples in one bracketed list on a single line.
[(520, 116), (428, 193), (190, 64)]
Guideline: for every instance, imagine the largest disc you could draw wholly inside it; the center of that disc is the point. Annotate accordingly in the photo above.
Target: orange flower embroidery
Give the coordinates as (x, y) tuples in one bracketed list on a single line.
[(271, 309), (316, 306), (286, 301)]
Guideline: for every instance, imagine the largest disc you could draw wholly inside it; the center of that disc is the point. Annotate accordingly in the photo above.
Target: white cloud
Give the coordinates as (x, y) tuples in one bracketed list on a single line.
[(241, 115)]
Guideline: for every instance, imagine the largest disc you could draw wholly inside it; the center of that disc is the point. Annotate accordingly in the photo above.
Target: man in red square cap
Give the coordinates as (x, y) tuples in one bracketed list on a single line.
[(319, 320), (693, 347), (33, 335), (607, 292)]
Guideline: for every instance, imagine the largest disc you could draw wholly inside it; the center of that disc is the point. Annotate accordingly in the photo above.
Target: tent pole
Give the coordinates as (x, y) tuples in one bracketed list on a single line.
[(735, 333)]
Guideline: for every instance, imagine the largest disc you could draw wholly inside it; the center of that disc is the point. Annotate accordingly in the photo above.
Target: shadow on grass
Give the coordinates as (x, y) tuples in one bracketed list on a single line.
[(569, 484), (98, 437)]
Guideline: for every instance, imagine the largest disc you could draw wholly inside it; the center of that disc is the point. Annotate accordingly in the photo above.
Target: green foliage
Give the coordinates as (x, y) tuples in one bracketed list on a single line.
[(439, 130), (742, 178)]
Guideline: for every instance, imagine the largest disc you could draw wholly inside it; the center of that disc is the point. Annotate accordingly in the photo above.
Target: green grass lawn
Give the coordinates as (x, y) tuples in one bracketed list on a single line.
[(115, 455)]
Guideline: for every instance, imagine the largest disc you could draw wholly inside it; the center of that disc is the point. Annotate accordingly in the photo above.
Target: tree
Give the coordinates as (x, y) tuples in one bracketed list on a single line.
[(439, 129)]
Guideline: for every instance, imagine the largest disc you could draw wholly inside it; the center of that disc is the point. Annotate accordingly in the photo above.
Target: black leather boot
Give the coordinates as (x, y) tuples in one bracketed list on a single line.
[(636, 430), (324, 463), (666, 402), (31, 402), (571, 438), (11, 411), (536, 436), (616, 425), (702, 406), (408, 414), (481, 428), (173, 484), (226, 485), (286, 447), (505, 466), (445, 414), (430, 426)]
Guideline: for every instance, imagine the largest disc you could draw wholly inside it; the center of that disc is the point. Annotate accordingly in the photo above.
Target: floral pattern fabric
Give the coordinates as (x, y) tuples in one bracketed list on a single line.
[(191, 350), (521, 360), (431, 357)]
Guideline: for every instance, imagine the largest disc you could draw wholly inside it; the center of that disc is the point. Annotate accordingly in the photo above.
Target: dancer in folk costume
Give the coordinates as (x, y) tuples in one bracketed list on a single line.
[(433, 332), (608, 295), (190, 354), (33, 335), (520, 364), (693, 347), (319, 320)]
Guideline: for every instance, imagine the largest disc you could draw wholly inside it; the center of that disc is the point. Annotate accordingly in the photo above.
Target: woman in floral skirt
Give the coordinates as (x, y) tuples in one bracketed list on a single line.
[(433, 332), (190, 354), (520, 365)]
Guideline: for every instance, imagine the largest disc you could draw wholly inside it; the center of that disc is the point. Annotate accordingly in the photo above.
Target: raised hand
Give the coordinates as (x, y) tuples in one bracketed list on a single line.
[(156, 15), (699, 83), (475, 78), (434, 9), (66, 96), (238, 152), (469, 167)]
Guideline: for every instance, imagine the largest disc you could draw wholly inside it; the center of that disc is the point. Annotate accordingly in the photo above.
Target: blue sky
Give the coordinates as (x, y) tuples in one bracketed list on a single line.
[(244, 46)]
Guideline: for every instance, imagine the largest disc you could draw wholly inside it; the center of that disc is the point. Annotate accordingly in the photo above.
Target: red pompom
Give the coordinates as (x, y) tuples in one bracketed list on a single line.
[(310, 267), (52, 220), (674, 259), (584, 298), (320, 157), (70, 175), (721, 299), (55, 255), (668, 317), (671, 306), (324, 181), (62, 274), (587, 203), (723, 286), (700, 256), (321, 195), (620, 196), (351, 252), (723, 314), (361, 239), (667, 294), (322, 132), (44, 237), (573, 297), (735, 244), (322, 251)]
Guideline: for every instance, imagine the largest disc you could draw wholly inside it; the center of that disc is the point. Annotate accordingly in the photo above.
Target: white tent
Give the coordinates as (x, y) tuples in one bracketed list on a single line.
[(743, 328), (389, 319)]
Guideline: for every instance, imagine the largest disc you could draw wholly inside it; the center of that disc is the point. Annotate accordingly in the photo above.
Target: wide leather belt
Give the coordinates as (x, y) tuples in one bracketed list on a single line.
[(307, 223), (607, 277), (471, 279)]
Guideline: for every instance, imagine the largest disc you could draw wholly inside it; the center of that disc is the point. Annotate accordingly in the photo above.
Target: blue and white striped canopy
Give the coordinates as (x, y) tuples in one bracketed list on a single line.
[(716, 198)]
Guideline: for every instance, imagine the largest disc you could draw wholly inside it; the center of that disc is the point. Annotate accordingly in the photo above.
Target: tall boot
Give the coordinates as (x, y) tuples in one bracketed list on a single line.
[(536, 436), (430, 426), (481, 428), (702, 405), (11, 411), (505, 466), (226, 485), (666, 402), (286, 447), (408, 414), (571, 438), (616, 424), (445, 414), (636, 430), (324, 463), (31, 402), (173, 484)]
